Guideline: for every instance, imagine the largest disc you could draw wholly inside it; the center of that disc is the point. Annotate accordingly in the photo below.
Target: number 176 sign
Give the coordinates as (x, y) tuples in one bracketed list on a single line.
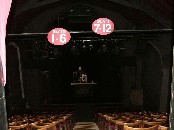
[(103, 26)]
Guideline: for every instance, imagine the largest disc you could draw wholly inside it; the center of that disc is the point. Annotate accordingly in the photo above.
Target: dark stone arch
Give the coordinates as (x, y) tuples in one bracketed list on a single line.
[(158, 51), (39, 23), (151, 78), (14, 90), (93, 14)]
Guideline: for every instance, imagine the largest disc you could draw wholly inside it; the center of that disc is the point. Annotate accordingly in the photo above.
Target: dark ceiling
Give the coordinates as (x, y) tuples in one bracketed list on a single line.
[(126, 14)]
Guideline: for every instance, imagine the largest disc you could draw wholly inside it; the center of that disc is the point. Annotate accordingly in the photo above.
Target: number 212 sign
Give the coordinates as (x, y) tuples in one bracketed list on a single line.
[(103, 26)]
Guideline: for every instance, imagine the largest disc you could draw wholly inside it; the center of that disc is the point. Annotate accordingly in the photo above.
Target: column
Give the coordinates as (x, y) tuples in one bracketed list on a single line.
[(138, 72), (3, 114), (171, 116)]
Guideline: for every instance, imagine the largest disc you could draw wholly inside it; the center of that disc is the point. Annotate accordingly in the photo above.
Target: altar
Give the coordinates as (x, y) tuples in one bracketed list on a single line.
[(83, 89)]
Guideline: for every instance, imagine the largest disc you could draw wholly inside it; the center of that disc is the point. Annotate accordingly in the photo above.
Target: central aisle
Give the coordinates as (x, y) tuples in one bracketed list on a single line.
[(85, 126), (85, 112)]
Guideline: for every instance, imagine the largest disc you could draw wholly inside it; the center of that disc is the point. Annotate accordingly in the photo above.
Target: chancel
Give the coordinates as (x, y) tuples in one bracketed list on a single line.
[(95, 81), (83, 88)]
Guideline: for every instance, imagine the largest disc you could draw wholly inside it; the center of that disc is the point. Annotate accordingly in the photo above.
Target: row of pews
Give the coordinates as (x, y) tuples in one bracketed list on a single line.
[(42, 121), (50, 117), (132, 121)]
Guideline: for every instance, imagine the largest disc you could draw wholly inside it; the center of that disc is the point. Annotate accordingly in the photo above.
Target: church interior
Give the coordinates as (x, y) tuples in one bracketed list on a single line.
[(119, 81)]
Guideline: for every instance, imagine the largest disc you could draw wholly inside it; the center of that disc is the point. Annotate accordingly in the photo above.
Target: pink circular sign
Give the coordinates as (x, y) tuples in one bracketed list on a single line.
[(58, 36), (103, 26)]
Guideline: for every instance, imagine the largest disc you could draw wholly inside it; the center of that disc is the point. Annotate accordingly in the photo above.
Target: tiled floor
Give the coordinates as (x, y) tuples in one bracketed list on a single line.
[(85, 126)]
